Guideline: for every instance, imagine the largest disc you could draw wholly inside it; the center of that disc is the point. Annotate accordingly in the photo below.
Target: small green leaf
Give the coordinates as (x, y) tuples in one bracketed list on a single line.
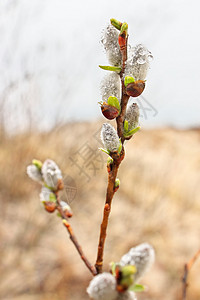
[(120, 147), (128, 270), (117, 182), (116, 24), (52, 197), (113, 101), (37, 163), (128, 79), (137, 288), (131, 132), (111, 68), (126, 126), (124, 27), (127, 276), (109, 160), (105, 151), (113, 267)]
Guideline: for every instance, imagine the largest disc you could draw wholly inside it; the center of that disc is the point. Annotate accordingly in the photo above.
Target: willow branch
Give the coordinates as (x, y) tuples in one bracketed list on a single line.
[(73, 238), (112, 173), (107, 208), (187, 268)]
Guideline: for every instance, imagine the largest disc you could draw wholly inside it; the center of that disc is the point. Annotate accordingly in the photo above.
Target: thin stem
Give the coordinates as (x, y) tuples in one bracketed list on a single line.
[(107, 208), (187, 268), (112, 174), (124, 55), (120, 118), (73, 238)]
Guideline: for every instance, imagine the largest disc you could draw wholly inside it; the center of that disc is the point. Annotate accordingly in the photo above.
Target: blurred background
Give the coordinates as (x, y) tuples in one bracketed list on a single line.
[(49, 89)]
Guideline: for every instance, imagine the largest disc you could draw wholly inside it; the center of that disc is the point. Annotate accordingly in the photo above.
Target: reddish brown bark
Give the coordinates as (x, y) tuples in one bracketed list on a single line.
[(187, 269), (73, 238)]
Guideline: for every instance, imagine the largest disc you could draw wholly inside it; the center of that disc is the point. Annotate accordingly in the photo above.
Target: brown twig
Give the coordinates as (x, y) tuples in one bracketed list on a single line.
[(187, 268), (112, 174), (107, 208), (120, 118), (73, 238)]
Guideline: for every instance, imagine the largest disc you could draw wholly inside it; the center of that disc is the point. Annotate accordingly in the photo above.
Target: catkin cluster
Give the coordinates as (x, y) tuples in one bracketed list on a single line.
[(105, 286)]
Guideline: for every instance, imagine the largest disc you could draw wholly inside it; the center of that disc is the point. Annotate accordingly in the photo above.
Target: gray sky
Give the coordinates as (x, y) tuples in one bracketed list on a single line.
[(50, 52)]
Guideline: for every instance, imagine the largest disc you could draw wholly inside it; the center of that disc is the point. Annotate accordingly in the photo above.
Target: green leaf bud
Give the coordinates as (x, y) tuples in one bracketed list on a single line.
[(37, 163), (113, 101), (117, 24), (128, 79)]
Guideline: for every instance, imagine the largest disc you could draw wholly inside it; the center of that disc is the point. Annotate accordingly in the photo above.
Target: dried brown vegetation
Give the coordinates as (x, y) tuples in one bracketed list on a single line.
[(158, 202)]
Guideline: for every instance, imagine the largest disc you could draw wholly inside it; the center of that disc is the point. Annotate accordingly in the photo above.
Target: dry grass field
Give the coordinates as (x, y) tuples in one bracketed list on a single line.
[(158, 202)]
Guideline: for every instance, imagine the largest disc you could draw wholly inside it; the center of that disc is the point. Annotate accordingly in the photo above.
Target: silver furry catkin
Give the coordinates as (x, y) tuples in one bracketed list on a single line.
[(111, 45), (46, 194), (34, 173), (137, 63), (141, 256), (110, 137), (132, 116), (103, 287), (111, 86), (51, 173)]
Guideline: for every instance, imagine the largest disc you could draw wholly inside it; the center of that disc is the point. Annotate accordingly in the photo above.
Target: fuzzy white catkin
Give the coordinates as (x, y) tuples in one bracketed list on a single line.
[(34, 173), (132, 116), (110, 43), (128, 295), (51, 173), (103, 287), (109, 137), (142, 256), (137, 63), (65, 206), (45, 194), (111, 86)]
